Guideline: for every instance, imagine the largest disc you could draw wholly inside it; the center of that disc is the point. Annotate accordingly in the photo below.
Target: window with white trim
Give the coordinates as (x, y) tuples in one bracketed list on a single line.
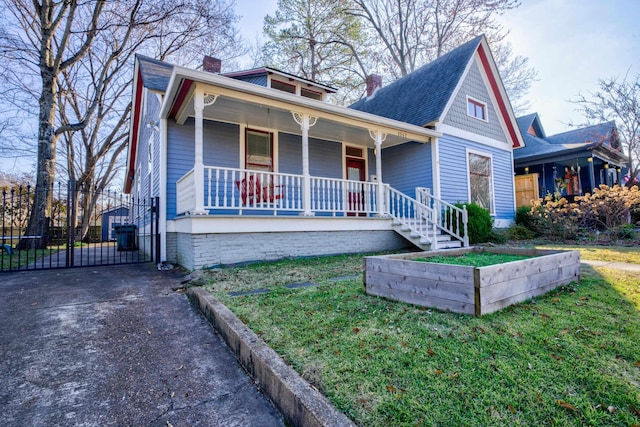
[(480, 180), (259, 150), (476, 109)]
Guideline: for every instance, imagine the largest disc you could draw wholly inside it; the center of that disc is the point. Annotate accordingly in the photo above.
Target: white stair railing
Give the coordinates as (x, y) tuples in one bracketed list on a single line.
[(412, 215), (449, 218)]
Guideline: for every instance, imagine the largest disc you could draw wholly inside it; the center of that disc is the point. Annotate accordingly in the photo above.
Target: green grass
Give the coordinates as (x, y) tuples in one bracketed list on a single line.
[(602, 253), (571, 357), (474, 259), (20, 259)]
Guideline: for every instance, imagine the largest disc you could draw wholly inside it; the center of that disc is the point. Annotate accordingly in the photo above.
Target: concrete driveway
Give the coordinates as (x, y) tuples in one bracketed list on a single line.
[(115, 346)]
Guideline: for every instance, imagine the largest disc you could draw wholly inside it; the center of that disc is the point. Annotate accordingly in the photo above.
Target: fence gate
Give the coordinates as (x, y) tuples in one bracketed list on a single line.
[(83, 227)]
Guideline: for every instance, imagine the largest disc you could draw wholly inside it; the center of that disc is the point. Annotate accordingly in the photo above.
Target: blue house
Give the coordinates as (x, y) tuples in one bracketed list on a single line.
[(256, 165), (570, 163)]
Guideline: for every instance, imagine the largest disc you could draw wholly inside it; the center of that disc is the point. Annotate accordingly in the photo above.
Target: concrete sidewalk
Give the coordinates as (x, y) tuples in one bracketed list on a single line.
[(622, 266), (115, 346)]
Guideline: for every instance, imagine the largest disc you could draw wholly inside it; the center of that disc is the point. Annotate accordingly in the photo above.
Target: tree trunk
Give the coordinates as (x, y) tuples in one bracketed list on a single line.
[(36, 234)]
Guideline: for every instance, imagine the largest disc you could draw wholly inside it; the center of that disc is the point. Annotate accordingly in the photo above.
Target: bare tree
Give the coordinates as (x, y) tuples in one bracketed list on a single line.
[(81, 52), (347, 39), (617, 99), (317, 40), (516, 75)]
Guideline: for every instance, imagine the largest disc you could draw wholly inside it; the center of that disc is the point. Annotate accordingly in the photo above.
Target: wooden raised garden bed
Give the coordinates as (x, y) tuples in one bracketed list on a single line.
[(467, 289)]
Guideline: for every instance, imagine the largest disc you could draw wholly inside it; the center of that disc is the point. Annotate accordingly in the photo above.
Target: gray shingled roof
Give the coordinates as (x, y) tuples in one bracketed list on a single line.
[(155, 73), (578, 139), (420, 97), (595, 134)]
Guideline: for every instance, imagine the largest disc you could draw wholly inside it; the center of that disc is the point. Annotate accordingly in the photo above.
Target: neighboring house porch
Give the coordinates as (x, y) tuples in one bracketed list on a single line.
[(568, 164)]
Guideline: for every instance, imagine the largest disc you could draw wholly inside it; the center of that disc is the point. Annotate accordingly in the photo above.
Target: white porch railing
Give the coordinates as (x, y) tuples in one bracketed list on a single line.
[(447, 217), (241, 190), (186, 193)]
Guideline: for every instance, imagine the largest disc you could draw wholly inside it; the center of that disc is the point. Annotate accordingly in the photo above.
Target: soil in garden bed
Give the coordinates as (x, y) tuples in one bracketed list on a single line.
[(474, 259)]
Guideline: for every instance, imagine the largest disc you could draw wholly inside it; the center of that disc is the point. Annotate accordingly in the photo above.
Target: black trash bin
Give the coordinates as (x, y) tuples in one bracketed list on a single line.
[(126, 237)]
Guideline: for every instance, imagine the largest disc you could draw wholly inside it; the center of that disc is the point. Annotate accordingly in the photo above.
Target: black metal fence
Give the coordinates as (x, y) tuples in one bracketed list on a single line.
[(84, 227)]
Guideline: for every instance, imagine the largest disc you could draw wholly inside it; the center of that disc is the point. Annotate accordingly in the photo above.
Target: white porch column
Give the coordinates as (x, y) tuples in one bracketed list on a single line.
[(305, 121), (200, 100), (378, 137)]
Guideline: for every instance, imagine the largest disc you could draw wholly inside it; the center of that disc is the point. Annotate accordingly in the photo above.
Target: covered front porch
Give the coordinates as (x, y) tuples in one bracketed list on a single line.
[(236, 207)]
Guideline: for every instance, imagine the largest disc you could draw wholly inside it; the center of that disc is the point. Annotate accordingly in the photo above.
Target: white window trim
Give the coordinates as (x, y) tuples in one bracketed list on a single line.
[(365, 157), (484, 106), (492, 209), (243, 145)]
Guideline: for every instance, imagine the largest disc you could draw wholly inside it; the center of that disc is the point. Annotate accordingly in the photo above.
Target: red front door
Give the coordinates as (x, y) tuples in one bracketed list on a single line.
[(355, 190)]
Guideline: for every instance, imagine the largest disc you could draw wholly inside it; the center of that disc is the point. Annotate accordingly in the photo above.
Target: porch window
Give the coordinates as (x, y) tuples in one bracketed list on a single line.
[(476, 109), (480, 181), (259, 151)]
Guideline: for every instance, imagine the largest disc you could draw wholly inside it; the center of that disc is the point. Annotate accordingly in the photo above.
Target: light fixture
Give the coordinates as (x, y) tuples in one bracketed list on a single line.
[(153, 124)]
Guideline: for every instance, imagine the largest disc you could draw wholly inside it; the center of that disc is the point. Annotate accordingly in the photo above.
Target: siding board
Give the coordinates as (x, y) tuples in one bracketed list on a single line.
[(457, 116), (407, 166), (454, 174)]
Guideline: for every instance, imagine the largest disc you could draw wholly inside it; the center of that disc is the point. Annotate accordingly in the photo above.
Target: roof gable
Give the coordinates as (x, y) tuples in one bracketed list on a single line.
[(531, 125), (421, 97), (577, 140), (154, 74)]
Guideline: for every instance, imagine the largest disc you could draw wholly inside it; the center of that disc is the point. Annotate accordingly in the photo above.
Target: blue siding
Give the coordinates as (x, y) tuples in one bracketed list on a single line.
[(260, 80), (407, 166), (325, 157), (149, 185), (454, 174), (221, 148)]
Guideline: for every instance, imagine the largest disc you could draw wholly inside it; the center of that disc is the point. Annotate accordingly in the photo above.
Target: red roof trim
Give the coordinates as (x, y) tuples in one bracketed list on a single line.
[(135, 126), (182, 94), (501, 101)]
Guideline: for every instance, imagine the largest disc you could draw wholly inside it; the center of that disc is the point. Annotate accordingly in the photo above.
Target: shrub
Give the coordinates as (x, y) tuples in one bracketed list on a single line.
[(608, 208), (523, 217), (555, 219), (480, 223), (519, 232)]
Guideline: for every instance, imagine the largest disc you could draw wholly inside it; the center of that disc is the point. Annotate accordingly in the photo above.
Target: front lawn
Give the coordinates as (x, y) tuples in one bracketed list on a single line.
[(571, 357)]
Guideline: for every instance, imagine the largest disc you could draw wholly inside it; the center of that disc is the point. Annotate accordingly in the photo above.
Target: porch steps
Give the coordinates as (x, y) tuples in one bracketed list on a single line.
[(425, 242)]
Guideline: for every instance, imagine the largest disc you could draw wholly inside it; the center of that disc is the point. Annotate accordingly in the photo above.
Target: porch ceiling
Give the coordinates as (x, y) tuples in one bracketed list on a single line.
[(257, 115), (256, 106)]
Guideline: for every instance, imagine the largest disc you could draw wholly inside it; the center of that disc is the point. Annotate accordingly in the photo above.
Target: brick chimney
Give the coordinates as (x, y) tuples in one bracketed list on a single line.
[(211, 64), (374, 82)]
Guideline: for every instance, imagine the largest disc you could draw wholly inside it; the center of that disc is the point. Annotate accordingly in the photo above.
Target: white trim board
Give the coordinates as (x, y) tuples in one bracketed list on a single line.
[(220, 224), (473, 137)]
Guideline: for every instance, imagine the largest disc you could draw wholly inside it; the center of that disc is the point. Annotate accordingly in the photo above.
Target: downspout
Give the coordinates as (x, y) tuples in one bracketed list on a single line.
[(163, 190), (435, 156)]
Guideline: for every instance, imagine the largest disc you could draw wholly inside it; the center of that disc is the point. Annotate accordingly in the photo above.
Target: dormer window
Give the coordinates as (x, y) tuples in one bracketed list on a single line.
[(476, 109), (285, 87), (308, 93)]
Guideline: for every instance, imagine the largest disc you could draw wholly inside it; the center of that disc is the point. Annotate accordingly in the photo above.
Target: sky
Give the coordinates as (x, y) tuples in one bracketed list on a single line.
[(571, 43)]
